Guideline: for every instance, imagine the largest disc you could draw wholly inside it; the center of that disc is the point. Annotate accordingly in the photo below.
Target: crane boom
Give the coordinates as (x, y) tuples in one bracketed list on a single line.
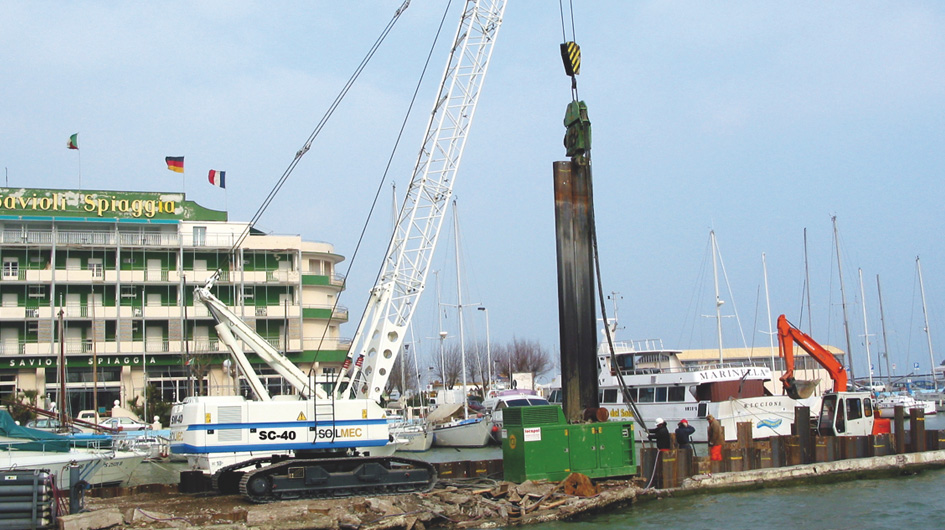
[(787, 336), (394, 297), (230, 324)]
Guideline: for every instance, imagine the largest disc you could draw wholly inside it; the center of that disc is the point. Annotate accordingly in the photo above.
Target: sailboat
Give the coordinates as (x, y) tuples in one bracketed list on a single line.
[(468, 430)]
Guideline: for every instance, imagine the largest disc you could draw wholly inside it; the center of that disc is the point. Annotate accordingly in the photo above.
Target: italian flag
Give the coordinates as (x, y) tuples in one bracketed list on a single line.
[(73, 142)]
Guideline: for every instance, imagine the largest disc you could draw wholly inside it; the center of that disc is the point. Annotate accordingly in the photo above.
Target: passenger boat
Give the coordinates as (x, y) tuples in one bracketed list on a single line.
[(502, 399), (886, 405), (663, 387)]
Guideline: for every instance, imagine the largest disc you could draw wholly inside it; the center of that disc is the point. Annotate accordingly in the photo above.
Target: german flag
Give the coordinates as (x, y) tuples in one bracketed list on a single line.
[(175, 163)]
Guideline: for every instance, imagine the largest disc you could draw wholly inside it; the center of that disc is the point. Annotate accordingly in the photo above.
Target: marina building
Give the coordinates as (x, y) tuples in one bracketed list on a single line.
[(104, 279)]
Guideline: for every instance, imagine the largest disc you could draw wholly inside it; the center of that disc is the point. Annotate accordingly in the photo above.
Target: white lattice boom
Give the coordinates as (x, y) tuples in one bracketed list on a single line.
[(394, 297)]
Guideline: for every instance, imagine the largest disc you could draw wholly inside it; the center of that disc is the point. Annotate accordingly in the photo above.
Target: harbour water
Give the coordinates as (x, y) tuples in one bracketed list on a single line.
[(903, 502), (913, 501)]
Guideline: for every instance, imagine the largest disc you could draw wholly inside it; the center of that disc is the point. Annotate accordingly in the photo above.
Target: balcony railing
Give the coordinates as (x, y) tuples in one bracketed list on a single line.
[(138, 345)]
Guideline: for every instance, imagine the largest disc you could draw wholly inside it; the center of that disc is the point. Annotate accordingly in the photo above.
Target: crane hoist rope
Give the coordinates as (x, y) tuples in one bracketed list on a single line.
[(321, 124)]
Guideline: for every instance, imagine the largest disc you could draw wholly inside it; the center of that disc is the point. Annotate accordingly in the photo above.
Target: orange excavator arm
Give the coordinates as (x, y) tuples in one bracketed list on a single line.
[(787, 336)]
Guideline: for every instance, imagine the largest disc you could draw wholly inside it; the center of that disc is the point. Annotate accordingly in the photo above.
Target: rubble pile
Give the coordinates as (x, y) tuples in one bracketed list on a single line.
[(451, 505)]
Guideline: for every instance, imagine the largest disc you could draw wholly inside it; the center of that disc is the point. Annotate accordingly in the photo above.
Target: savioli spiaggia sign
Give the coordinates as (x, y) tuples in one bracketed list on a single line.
[(104, 204)]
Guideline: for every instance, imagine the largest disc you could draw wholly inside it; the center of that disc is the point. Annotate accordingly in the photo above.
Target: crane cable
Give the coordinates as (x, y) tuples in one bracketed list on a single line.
[(321, 124), (571, 56), (387, 168), (564, 39)]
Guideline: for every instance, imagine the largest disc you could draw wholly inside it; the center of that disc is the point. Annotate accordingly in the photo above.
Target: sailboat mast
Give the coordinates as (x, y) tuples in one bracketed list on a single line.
[(925, 313), (718, 301), (882, 320), (764, 266), (441, 333), (843, 300), (459, 309), (866, 333)]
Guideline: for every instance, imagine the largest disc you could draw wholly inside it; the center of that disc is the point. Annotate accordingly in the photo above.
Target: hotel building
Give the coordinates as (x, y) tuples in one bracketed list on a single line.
[(105, 279)]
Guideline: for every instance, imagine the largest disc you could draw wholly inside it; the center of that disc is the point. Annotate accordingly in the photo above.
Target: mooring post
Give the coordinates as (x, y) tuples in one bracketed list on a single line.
[(899, 421)]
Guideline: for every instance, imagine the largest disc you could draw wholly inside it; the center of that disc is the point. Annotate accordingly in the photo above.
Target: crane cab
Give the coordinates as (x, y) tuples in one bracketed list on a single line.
[(846, 414)]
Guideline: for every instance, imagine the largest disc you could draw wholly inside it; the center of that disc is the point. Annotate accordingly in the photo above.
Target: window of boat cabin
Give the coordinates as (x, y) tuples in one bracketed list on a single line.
[(661, 394), (867, 407), (625, 362), (609, 395), (647, 395), (677, 393)]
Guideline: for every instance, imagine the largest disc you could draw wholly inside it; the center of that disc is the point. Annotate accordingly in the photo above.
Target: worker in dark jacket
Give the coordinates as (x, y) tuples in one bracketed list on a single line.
[(684, 434), (716, 438), (661, 435)]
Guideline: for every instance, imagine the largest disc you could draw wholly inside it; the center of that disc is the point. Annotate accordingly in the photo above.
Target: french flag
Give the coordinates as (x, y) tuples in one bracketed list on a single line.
[(217, 178)]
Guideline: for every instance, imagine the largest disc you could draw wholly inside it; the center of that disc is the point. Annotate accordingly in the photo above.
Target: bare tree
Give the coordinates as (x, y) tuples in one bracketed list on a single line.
[(521, 355), (450, 370), (477, 365), (403, 374)]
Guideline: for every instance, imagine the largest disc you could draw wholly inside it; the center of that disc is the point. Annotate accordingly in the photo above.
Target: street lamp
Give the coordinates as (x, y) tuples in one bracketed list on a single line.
[(488, 346)]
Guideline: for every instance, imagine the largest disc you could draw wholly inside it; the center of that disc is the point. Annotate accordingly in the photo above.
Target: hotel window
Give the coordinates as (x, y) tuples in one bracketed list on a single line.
[(11, 268), (36, 291), (95, 266), (200, 236), (128, 291)]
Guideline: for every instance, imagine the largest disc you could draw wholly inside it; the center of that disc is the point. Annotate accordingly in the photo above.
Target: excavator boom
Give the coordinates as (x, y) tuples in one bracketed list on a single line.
[(787, 336)]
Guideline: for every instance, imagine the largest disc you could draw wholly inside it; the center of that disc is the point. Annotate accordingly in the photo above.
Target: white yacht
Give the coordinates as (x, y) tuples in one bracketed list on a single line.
[(663, 387)]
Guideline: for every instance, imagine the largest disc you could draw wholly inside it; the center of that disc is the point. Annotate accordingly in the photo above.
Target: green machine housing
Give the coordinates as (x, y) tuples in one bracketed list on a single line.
[(539, 444)]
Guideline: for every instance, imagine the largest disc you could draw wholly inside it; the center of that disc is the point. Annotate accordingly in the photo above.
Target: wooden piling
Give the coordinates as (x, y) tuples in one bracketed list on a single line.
[(917, 430), (805, 440), (899, 425)]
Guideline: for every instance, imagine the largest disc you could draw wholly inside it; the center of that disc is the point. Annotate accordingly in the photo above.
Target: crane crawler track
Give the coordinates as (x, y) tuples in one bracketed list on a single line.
[(336, 477), (227, 479)]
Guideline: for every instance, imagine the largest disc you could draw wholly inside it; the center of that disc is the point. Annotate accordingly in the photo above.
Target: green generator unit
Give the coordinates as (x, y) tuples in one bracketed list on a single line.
[(537, 443)]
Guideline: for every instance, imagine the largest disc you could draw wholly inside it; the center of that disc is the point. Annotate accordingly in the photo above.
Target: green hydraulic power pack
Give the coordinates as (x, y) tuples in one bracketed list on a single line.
[(537, 443)]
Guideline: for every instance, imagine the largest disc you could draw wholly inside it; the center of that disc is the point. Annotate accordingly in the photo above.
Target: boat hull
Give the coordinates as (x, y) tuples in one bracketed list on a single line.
[(97, 468), (473, 432), (413, 438), (887, 407)]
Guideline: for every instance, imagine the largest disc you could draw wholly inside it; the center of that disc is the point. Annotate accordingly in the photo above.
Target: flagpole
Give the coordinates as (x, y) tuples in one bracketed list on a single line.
[(79, 154)]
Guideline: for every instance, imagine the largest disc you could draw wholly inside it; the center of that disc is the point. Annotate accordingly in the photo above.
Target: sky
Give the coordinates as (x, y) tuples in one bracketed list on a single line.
[(758, 120)]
